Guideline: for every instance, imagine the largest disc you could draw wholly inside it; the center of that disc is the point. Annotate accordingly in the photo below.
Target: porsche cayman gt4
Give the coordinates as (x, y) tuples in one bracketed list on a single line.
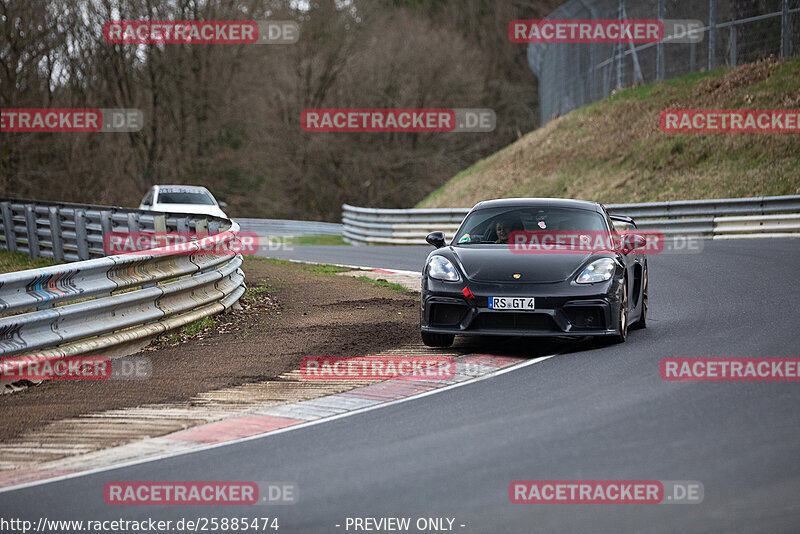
[(535, 267)]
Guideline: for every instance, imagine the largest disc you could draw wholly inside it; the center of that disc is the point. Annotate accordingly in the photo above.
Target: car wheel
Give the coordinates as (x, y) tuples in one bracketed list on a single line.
[(642, 322), (437, 340), (622, 333)]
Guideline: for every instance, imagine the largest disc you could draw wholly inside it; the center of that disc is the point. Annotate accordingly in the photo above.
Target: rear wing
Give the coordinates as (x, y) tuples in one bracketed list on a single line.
[(624, 219)]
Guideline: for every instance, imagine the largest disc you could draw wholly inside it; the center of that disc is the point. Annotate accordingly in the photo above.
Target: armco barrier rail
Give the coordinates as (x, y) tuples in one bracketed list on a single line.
[(94, 304), (283, 228), (718, 219)]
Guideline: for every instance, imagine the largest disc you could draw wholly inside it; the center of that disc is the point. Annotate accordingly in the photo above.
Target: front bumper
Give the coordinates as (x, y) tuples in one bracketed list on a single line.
[(561, 309)]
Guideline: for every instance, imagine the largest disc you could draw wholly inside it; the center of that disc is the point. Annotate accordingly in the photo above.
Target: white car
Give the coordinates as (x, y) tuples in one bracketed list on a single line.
[(182, 199)]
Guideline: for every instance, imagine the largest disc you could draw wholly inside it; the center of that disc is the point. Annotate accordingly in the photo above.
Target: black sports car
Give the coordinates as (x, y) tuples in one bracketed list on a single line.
[(535, 267)]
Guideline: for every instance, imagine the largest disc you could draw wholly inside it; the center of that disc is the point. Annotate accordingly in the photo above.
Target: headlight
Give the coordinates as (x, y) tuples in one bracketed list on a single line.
[(442, 269), (598, 271)]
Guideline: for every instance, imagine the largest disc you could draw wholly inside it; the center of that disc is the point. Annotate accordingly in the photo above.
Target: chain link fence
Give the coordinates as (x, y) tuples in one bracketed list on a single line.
[(734, 32)]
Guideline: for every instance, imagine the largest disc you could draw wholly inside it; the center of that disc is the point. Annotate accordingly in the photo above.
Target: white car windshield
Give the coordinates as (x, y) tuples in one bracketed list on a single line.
[(184, 197)]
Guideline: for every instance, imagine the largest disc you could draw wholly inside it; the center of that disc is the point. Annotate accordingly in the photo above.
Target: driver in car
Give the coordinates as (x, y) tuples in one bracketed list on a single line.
[(503, 229)]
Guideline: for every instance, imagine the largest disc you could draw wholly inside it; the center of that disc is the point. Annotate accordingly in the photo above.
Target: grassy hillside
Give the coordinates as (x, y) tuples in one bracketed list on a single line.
[(613, 150)]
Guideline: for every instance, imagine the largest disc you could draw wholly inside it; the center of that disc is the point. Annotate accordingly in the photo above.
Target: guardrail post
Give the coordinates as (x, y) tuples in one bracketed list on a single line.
[(8, 227), (106, 226), (133, 222), (106, 222), (55, 234), (33, 234), (80, 235), (160, 223)]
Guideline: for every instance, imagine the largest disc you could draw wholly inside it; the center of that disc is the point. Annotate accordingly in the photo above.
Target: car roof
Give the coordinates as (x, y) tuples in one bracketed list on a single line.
[(185, 187), (538, 202)]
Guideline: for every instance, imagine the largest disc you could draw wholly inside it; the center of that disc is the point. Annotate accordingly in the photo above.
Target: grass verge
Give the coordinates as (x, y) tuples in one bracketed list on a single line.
[(383, 283), (308, 267), (17, 261), (322, 239)]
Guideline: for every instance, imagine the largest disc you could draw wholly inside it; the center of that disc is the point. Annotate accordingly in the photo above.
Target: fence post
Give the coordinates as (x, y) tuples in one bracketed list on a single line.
[(55, 234), (620, 52), (578, 88), (592, 54), (660, 69), (8, 227), (637, 69), (80, 235), (33, 234), (785, 31), (712, 33), (734, 31), (564, 81)]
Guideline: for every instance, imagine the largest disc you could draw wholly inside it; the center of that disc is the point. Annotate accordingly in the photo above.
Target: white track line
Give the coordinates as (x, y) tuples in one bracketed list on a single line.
[(280, 430)]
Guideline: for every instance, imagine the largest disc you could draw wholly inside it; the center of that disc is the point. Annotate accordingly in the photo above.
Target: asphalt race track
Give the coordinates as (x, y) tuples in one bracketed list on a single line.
[(591, 413)]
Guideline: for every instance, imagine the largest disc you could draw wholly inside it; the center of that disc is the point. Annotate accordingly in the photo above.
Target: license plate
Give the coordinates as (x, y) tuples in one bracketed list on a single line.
[(511, 303)]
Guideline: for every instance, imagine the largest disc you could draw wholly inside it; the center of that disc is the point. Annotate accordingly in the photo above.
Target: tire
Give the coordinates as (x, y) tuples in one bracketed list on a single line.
[(642, 322), (622, 334), (441, 341)]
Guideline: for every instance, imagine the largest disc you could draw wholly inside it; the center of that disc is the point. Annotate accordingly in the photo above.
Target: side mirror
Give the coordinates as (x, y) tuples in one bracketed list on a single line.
[(222, 204), (436, 239), (633, 241)]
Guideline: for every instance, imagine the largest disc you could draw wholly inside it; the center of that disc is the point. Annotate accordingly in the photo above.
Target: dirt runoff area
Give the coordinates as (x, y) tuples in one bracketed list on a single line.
[(290, 311)]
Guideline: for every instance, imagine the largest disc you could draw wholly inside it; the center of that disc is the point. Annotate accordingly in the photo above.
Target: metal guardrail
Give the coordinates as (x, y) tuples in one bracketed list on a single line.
[(717, 218), (288, 228), (66, 231), (95, 304)]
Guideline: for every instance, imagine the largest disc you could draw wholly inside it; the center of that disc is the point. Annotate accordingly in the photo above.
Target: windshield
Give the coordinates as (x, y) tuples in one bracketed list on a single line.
[(185, 197), (495, 225)]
